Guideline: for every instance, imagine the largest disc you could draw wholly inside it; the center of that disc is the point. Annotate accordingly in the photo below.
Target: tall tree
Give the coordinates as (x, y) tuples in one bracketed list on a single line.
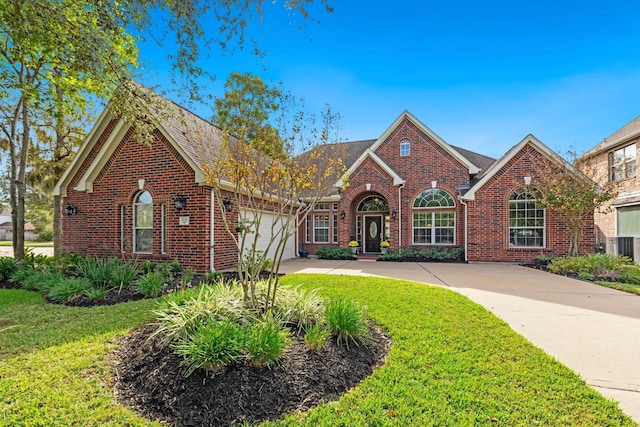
[(274, 169), (82, 48)]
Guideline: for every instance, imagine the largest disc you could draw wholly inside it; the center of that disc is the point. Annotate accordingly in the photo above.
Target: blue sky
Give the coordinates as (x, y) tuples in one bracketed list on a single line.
[(482, 75)]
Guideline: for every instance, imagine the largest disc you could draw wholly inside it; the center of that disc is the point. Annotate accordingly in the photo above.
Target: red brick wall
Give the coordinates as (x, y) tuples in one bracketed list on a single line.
[(95, 229), (489, 216)]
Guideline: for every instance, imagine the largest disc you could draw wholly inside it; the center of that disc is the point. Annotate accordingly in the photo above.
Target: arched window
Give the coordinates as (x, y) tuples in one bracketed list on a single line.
[(526, 219), (405, 147), (434, 218), (373, 204), (143, 222)]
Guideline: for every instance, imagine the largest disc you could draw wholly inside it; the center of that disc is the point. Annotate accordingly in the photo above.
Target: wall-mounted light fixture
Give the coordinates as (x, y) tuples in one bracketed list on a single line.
[(71, 209), (228, 204), (394, 214), (180, 202), (342, 214)]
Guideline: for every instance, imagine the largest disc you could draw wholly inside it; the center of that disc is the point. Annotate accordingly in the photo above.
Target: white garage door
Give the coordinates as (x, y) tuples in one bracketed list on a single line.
[(265, 236)]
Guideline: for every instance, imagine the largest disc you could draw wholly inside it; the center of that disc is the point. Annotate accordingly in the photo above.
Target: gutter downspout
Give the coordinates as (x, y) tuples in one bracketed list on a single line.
[(466, 231), (400, 214)]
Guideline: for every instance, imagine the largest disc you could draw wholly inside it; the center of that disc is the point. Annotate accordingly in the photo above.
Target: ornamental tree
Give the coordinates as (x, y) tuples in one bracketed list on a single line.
[(569, 191), (276, 169)]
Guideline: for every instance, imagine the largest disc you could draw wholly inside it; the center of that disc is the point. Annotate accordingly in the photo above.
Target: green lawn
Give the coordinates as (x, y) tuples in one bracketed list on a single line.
[(452, 363), (28, 244)]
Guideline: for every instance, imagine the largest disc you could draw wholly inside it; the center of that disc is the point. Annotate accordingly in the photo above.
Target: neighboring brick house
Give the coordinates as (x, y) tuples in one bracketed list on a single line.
[(412, 188), (123, 198), (614, 160)]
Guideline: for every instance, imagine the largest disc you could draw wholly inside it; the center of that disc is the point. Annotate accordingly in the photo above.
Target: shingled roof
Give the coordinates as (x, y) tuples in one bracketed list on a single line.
[(622, 135)]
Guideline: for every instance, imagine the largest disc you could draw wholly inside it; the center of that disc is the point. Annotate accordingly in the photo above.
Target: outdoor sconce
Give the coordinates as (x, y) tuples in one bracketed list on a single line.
[(342, 214), (71, 209), (228, 204), (180, 202), (394, 214)]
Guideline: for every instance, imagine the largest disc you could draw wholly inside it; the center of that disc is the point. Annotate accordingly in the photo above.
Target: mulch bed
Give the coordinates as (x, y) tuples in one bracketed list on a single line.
[(150, 379)]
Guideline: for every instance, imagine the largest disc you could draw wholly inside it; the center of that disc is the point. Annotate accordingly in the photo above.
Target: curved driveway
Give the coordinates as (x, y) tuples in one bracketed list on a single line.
[(591, 329)]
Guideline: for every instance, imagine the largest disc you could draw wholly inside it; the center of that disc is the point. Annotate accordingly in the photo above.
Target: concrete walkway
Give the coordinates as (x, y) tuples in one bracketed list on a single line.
[(593, 330)]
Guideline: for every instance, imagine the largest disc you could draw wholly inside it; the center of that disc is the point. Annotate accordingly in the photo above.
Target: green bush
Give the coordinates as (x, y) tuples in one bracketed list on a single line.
[(598, 265), (630, 274), (315, 336), (346, 321), (7, 267), (423, 253), (300, 308), (150, 285), (65, 289), (334, 252), (266, 340), (211, 345)]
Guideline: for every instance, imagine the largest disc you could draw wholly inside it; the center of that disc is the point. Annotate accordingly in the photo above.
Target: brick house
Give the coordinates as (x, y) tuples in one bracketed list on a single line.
[(614, 160), (409, 187)]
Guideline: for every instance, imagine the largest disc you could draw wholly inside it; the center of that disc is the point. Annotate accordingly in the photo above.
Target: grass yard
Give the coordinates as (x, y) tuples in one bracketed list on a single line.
[(451, 363)]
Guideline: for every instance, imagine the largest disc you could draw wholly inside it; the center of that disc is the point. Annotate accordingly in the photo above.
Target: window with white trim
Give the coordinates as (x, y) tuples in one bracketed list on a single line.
[(321, 207), (321, 228), (405, 147), (622, 163), (434, 218), (526, 219), (143, 223), (335, 228)]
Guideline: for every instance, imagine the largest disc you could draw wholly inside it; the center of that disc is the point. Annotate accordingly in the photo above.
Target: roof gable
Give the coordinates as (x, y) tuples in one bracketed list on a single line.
[(500, 163), (369, 154), (473, 169), (196, 140)]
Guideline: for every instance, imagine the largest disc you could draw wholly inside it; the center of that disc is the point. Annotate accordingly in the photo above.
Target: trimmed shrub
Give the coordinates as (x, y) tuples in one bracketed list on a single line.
[(423, 253), (334, 252)]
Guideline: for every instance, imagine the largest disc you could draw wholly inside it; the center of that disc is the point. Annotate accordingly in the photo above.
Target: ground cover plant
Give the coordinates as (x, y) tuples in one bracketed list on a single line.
[(617, 272), (451, 363), (89, 281)]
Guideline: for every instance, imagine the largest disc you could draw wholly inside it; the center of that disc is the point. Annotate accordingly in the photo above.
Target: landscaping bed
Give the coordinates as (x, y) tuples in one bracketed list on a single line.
[(150, 378)]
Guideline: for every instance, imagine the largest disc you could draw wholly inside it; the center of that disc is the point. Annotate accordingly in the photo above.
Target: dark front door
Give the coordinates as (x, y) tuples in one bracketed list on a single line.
[(372, 233)]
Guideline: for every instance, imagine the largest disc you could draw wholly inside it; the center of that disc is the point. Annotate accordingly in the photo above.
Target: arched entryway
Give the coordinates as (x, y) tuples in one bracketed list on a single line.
[(372, 222)]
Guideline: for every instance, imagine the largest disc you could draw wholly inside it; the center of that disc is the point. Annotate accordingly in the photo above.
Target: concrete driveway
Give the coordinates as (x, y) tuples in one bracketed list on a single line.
[(8, 250), (593, 330)]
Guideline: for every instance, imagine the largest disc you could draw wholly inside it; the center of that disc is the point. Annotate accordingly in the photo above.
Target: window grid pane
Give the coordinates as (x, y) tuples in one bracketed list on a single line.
[(321, 228), (434, 228), (526, 220)]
